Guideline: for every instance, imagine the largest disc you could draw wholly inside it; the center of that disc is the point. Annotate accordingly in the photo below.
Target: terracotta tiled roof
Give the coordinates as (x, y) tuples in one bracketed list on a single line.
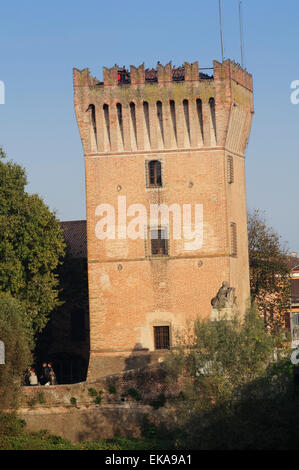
[(75, 236), (293, 262)]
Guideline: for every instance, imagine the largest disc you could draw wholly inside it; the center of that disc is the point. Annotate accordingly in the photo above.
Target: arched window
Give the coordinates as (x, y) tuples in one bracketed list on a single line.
[(147, 121), (213, 113), (133, 120), (200, 115), (173, 117), (120, 120), (91, 108), (187, 118), (160, 119), (107, 123), (154, 174)]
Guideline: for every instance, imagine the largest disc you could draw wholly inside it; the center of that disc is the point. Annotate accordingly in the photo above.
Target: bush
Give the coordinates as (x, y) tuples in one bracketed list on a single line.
[(229, 378), (112, 389), (134, 394), (41, 398), (97, 395), (98, 400), (11, 425), (17, 335), (159, 401), (92, 392)]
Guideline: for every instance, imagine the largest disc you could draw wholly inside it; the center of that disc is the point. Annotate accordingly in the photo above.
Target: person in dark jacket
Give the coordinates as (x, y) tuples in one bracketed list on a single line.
[(45, 377)]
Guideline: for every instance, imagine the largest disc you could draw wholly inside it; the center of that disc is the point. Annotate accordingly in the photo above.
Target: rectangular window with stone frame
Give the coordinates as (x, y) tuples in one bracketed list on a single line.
[(159, 241), (153, 170), (162, 337)]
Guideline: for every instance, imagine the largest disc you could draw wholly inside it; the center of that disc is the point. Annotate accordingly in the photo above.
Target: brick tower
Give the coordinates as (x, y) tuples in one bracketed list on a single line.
[(170, 135)]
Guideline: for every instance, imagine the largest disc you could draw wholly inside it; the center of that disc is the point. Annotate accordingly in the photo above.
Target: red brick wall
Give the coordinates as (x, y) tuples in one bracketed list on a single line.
[(129, 291)]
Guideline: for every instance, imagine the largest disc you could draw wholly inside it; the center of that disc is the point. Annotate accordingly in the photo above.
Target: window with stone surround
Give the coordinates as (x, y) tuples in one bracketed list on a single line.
[(154, 174), (159, 241), (162, 337)]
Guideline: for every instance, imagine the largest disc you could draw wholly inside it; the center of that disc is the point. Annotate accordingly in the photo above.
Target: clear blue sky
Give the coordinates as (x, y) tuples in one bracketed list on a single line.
[(42, 41)]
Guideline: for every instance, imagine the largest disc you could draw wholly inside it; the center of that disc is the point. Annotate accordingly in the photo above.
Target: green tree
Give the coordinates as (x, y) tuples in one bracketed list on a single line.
[(223, 367), (222, 356), (31, 246), (17, 335), (269, 270)]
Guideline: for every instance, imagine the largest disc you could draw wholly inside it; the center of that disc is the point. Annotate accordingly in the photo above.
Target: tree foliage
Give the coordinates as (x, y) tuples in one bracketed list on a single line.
[(227, 368), (269, 270), (31, 246), (17, 335), (223, 355)]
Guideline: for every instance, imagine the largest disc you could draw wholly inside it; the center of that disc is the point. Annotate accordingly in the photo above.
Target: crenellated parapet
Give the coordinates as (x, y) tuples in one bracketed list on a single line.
[(166, 107), (118, 76), (83, 78), (230, 70)]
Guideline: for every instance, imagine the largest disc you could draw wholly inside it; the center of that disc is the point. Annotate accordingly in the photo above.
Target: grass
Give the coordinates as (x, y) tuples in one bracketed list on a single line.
[(42, 440)]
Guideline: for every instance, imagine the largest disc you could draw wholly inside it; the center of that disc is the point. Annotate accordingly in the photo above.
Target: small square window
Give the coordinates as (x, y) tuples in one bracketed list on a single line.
[(161, 337)]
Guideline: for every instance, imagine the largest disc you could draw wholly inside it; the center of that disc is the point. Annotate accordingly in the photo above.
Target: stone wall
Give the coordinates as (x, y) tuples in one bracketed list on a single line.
[(94, 422), (147, 384), (109, 407)]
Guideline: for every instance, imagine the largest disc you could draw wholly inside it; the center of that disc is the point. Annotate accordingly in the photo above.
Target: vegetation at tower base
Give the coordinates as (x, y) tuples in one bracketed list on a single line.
[(269, 270), (31, 246), (13, 436), (233, 389), (16, 332)]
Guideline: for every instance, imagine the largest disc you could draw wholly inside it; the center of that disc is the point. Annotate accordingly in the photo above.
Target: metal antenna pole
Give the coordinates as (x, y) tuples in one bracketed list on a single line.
[(221, 32), (241, 33)]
